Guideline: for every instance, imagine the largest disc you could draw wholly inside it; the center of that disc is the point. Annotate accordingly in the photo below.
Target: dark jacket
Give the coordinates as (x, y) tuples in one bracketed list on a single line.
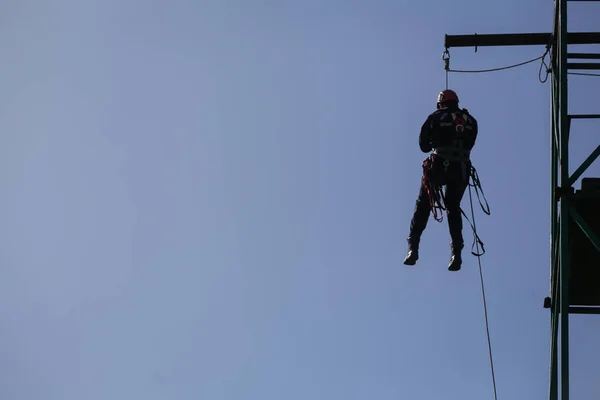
[(449, 132)]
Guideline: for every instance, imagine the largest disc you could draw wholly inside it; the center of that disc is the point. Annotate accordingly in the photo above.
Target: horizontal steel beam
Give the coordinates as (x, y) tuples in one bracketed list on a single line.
[(511, 39), (517, 39), (585, 116), (580, 66), (584, 310), (584, 56)]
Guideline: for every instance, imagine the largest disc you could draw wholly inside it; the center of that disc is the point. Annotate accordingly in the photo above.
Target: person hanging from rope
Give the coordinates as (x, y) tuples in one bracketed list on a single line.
[(449, 134)]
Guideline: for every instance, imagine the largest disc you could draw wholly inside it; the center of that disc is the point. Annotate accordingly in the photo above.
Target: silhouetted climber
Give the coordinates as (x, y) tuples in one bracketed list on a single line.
[(449, 133)]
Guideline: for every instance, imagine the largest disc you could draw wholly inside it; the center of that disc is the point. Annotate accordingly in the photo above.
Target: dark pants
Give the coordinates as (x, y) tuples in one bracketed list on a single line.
[(455, 177)]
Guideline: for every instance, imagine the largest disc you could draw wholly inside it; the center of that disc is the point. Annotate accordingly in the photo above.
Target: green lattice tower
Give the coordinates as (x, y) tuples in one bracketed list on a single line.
[(575, 220)]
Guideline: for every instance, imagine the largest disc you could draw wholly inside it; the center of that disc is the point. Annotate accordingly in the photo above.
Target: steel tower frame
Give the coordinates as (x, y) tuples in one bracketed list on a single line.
[(569, 227)]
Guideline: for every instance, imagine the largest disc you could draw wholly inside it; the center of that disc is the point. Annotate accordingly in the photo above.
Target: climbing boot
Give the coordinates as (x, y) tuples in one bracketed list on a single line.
[(411, 257), (455, 259), (455, 262)]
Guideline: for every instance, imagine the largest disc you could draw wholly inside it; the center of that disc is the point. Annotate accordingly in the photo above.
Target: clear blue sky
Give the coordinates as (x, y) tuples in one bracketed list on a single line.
[(210, 200)]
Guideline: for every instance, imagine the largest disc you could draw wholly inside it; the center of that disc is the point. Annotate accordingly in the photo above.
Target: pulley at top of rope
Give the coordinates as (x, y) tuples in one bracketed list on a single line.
[(446, 58)]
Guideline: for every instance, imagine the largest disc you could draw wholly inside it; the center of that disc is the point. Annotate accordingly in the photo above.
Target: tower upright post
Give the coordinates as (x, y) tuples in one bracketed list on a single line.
[(565, 190)]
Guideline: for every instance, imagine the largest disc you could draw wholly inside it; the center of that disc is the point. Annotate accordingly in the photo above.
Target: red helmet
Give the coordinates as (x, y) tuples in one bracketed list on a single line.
[(446, 95)]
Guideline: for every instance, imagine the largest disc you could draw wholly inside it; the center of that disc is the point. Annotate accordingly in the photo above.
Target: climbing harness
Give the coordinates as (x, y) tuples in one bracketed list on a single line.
[(452, 154)]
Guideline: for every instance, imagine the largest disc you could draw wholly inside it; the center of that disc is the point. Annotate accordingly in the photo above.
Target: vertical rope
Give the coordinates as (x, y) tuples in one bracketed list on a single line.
[(487, 325)]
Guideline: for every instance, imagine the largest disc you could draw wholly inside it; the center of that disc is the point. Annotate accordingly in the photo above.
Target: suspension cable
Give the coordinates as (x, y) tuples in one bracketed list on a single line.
[(475, 71), (446, 58)]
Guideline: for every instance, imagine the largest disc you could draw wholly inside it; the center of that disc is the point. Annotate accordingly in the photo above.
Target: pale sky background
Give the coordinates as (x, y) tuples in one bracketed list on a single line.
[(210, 200)]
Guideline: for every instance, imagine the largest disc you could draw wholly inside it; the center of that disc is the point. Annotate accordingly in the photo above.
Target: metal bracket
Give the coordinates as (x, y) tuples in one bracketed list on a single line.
[(563, 191)]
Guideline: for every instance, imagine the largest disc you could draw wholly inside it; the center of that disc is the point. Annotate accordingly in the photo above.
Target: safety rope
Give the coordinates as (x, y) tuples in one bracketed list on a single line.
[(434, 192), (476, 183), (487, 324)]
